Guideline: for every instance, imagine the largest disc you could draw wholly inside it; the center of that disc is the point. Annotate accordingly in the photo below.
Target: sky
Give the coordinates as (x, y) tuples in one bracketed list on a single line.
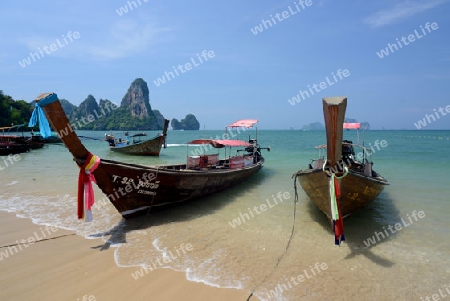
[(227, 60)]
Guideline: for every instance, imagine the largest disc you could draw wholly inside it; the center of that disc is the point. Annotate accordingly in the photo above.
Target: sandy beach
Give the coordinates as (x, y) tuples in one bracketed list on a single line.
[(56, 264)]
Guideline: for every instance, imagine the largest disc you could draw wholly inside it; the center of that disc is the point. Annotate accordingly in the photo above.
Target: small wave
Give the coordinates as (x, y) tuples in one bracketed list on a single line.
[(58, 211), (192, 276)]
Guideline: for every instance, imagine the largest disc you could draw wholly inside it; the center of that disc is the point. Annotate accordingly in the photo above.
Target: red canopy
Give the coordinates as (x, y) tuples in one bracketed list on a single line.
[(220, 143), (200, 141), (348, 125), (243, 123)]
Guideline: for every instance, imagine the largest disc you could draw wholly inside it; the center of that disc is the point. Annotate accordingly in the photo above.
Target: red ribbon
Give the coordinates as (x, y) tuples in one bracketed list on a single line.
[(85, 179)]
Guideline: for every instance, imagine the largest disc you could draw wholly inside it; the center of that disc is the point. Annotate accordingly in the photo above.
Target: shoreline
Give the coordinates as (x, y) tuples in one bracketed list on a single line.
[(65, 266)]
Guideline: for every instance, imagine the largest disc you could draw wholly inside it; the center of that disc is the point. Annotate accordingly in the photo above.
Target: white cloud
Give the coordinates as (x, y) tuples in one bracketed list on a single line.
[(126, 37), (123, 38), (400, 11)]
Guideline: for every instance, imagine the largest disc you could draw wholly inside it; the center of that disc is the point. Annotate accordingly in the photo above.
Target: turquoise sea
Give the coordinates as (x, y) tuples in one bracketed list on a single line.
[(260, 256)]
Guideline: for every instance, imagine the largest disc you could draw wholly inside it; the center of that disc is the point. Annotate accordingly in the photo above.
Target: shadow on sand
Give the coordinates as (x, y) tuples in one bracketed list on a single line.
[(181, 212), (362, 226)]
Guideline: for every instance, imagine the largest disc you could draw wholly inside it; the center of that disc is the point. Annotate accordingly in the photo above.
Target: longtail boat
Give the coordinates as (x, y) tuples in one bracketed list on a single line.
[(12, 144), (18, 143), (151, 147), (11, 148), (338, 182), (133, 189)]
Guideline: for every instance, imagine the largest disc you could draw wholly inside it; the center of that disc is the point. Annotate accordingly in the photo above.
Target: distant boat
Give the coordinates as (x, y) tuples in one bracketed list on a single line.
[(49, 140), (12, 144), (34, 141), (359, 185), (143, 187), (8, 147), (151, 147)]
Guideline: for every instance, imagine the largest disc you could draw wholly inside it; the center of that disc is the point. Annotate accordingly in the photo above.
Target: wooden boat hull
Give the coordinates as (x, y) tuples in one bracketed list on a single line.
[(13, 145), (145, 148), (150, 147), (35, 145), (357, 190), (13, 149), (134, 188)]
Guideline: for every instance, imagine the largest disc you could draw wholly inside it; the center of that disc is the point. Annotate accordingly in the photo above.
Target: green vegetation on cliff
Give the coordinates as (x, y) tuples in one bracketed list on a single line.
[(188, 123), (13, 111), (134, 112)]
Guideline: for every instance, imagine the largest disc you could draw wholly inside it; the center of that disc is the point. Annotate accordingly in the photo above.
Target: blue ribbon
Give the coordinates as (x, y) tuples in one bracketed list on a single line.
[(39, 115)]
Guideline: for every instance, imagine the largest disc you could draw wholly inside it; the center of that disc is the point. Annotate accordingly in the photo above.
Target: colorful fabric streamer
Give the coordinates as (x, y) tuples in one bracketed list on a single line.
[(336, 217), (85, 191), (39, 115)]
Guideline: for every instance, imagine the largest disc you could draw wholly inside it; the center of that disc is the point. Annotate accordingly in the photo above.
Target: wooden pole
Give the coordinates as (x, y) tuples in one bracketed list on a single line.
[(334, 114), (58, 120)]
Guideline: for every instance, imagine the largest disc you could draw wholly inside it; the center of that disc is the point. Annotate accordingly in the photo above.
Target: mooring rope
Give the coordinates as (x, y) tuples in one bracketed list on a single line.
[(287, 245), (41, 240)]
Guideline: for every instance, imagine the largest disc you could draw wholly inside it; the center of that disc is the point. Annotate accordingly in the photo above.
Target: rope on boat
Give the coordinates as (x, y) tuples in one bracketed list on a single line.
[(295, 186), (288, 243), (86, 137)]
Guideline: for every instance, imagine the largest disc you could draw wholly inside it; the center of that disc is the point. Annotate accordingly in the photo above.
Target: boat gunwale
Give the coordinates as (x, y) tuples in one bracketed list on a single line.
[(304, 172), (165, 169)]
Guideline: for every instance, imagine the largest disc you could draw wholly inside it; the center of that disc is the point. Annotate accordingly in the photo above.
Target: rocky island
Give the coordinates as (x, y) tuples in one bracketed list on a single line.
[(134, 112)]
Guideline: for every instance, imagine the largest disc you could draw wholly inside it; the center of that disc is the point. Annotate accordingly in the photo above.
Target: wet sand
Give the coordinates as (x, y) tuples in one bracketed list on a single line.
[(64, 266)]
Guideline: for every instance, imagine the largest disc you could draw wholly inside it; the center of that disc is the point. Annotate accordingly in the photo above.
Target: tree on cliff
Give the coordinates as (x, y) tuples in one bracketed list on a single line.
[(13, 111)]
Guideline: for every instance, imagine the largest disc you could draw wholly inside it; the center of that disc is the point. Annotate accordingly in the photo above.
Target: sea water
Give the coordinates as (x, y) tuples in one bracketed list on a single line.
[(396, 249)]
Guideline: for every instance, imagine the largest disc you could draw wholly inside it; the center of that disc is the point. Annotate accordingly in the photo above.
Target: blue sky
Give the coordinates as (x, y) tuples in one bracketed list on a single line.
[(249, 75)]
